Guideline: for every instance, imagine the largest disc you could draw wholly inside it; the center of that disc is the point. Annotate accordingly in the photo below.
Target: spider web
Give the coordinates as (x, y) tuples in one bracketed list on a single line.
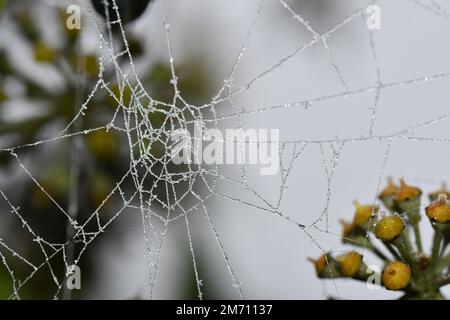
[(132, 119)]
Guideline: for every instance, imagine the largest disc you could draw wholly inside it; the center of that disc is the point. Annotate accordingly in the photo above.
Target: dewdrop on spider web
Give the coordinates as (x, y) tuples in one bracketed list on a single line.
[(408, 269)]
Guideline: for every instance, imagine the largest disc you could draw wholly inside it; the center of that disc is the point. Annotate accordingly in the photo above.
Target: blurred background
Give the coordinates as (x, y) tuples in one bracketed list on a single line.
[(318, 98)]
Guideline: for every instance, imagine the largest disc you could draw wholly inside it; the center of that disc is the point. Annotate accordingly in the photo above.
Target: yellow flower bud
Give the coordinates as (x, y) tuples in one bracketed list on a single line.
[(407, 192), (396, 275), (347, 228), (320, 264), (389, 228), (363, 213), (43, 53), (349, 263), (439, 210)]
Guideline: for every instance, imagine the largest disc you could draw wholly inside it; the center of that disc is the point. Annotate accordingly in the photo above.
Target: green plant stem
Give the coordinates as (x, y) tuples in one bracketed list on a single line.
[(437, 241)]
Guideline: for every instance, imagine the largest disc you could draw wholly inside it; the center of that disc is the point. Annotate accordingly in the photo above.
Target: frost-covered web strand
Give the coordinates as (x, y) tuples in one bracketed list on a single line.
[(316, 35)]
